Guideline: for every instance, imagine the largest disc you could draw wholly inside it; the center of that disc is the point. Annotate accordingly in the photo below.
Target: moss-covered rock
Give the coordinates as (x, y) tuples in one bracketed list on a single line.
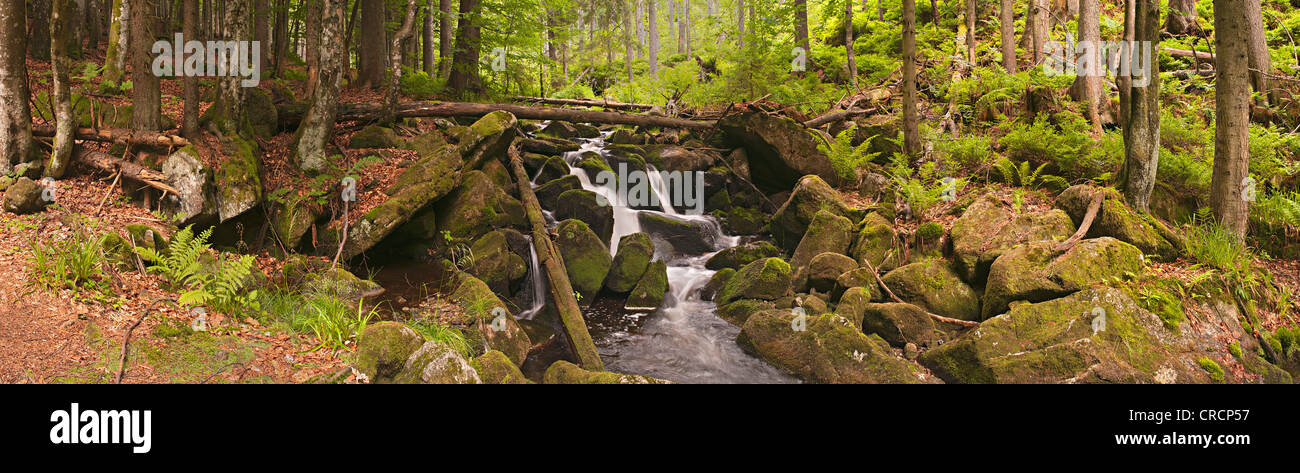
[(262, 115), (1034, 272), (899, 324), (383, 348), (861, 277), (493, 261), (563, 372), (668, 157), (548, 194), (488, 139), (987, 229), (877, 243), (437, 363), (146, 237), (737, 257), (494, 367), (239, 178), (1096, 335), (426, 144), (1116, 219), (375, 136), (812, 305), (439, 164), (586, 258), (810, 195), (341, 284), (826, 268), (486, 321), (827, 233), (933, 285), (683, 235), (824, 349), (187, 173), (766, 279), (547, 145), (590, 208), (737, 312), (716, 283), (292, 220), (568, 130), (853, 303), (409, 198), (477, 206), (630, 262), (24, 197), (649, 291), (780, 150), (745, 221)]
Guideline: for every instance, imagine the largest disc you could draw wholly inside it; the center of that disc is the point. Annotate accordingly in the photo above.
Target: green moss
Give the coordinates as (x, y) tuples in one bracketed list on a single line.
[(1235, 349), (1216, 373)]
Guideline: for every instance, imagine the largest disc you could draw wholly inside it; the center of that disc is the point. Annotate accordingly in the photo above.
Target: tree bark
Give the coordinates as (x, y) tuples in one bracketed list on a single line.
[(628, 27), (261, 32), (1182, 17), (464, 81), (229, 116), (1087, 86), (1037, 26), (652, 30), (59, 62), (109, 164), (16, 143), (371, 45), (848, 42), (1007, 20), (189, 29), (117, 135), (146, 91), (395, 63), (316, 130), (970, 30), (801, 24), (740, 23), (312, 47), (38, 44), (911, 127), (1142, 128), (1232, 116), (445, 35), (118, 32), (1261, 63), (430, 42)]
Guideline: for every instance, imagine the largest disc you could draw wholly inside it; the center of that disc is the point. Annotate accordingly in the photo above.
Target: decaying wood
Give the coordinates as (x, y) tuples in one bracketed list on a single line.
[(1198, 55), (290, 116), (118, 135), (964, 323), (584, 103), (107, 163), (575, 327), (1085, 225)]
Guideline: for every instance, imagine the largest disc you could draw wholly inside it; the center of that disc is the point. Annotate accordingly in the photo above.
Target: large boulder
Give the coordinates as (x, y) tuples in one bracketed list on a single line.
[(737, 312), (737, 257), (489, 138), (476, 207), (780, 150), (745, 221), (630, 262), (766, 279), (987, 229), (548, 194), (568, 130), (688, 236), (292, 220), (1034, 272), (437, 363), (824, 349), (810, 196), (649, 291), (1097, 335), (486, 321), (899, 324), (382, 350), (427, 181), (1116, 219), (827, 233), (551, 168), (494, 367), (586, 258), (933, 285), (853, 304), (676, 158), (826, 268), (187, 173), (494, 263), (563, 372), (375, 136), (240, 178), (877, 244), (341, 284), (24, 197), (586, 206)]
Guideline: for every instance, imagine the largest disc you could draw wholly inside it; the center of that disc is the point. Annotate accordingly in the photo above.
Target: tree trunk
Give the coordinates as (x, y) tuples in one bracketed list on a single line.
[(430, 49), (261, 32), (312, 139), (312, 52), (118, 32), (1232, 116), (464, 81), (93, 25), (16, 143), (445, 35), (1007, 20), (1261, 63), (740, 23), (848, 42), (59, 62), (801, 24), (1182, 17), (934, 12), (280, 39), (228, 119), (189, 28), (1142, 129), (911, 127), (970, 30), (395, 63), (1087, 86), (371, 44), (628, 38), (1036, 25), (653, 32), (146, 91), (38, 44)]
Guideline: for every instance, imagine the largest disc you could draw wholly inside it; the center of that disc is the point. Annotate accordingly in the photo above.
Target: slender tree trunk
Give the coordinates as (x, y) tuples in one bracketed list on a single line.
[(1232, 115), (970, 30), (880, 10), (280, 39), (93, 24), (1007, 25), (1142, 130), (1261, 63), (445, 35), (934, 12), (395, 60), (848, 43), (261, 31), (628, 28), (911, 123), (38, 44), (312, 53), (371, 44), (740, 23), (146, 91), (430, 42), (1036, 23), (229, 117), (652, 31), (16, 143), (801, 24), (1087, 86), (115, 57), (464, 80), (1182, 17), (1122, 81), (312, 141), (189, 29), (59, 62)]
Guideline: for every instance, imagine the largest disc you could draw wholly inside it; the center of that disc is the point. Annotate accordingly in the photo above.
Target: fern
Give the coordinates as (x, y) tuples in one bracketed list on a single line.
[(846, 158), (219, 285), (1021, 175)]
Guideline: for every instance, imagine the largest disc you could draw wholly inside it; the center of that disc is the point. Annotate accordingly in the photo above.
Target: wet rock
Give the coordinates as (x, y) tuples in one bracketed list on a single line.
[(476, 207), (987, 229), (827, 233), (375, 136), (494, 263), (676, 158), (649, 291), (586, 206), (829, 349), (586, 258), (810, 196), (630, 262), (24, 197), (485, 320), (563, 372), (737, 257), (826, 268), (593, 164), (684, 236), (716, 283), (877, 243), (1116, 219), (383, 348), (934, 286), (1034, 272), (568, 131), (766, 279), (548, 146), (437, 363), (780, 150), (494, 367)]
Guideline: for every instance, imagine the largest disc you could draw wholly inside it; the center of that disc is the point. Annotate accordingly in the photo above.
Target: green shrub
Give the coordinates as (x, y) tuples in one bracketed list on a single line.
[(450, 336), (221, 283), (333, 321), (419, 84), (846, 158), (68, 262)]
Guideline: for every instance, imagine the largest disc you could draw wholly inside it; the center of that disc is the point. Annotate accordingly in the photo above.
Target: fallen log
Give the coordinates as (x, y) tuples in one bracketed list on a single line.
[(575, 327), (584, 103), (1085, 225), (118, 135), (836, 116), (105, 162), (291, 115), (1200, 55)]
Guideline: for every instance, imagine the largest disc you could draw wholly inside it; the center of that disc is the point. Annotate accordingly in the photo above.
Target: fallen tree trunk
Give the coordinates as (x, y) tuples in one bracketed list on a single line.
[(1200, 55), (575, 327), (118, 135), (584, 103), (836, 116), (291, 115), (110, 164)]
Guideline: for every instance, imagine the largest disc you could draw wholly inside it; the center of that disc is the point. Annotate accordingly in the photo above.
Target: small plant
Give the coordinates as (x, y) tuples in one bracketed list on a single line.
[(333, 321), (70, 262), (219, 284), (846, 158), (434, 331), (924, 188), (1216, 372), (1020, 175)]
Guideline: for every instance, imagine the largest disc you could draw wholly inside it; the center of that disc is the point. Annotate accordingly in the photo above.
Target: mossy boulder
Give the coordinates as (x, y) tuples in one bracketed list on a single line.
[(548, 194), (568, 130), (933, 285), (861, 277), (1034, 272), (593, 164), (853, 303), (745, 221), (186, 172), (5, 182), (239, 178), (146, 237), (649, 291), (827, 233), (425, 144), (494, 263), (987, 229), (738, 311), (477, 206), (825, 269), (375, 136), (810, 195), (1096, 335), (1116, 219), (262, 115), (824, 349), (488, 139), (630, 262), (409, 198), (687, 236), (552, 168), (563, 372), (766, 279), (899, 324), (292, 220), (877, 243), (547, 145), (780, 150), (590, 208), (341, 284), (494, 367), (668, 157), (586, 258), (716, 283), (485, 320), (383, 348), (437, 363), (24, 197), (737, 257)]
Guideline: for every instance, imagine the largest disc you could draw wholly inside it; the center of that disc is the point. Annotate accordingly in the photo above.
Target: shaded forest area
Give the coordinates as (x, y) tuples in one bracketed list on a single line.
[(951, 191)]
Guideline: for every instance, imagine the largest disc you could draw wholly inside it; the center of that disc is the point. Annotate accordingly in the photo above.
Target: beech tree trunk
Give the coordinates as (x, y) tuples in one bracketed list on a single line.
[(146, 91), (1007, 20), (464, 81), (59, 62), (848, 42), (970, 30), (118, 32), (189, 28), (312, 47), (38, 43), (1232, 115), (1142, 129), (1037, 26), (261, 32), (312, 140), (1087, 86), (1261, 63), (653, 32), (911, 129), (16, 143), (395, 62), (801, 24), (1182, 17), (430, 50), (445, 35), (228, 119), (371, 46)]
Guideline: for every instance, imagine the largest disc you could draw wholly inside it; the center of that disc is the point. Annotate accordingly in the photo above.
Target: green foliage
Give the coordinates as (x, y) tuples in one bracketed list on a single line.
[(220, 283), (924, 187), (1216, 372), (420, 85), (846, 158), (333, 321), (575, 91), (1022, 175), (1065, 144), (1276, 211), (968, 151), (450, 336), (69, 262)]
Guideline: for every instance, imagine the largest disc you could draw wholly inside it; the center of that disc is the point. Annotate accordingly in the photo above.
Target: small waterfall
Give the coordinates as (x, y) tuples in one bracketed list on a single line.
[(539, 285), (660, 189)]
